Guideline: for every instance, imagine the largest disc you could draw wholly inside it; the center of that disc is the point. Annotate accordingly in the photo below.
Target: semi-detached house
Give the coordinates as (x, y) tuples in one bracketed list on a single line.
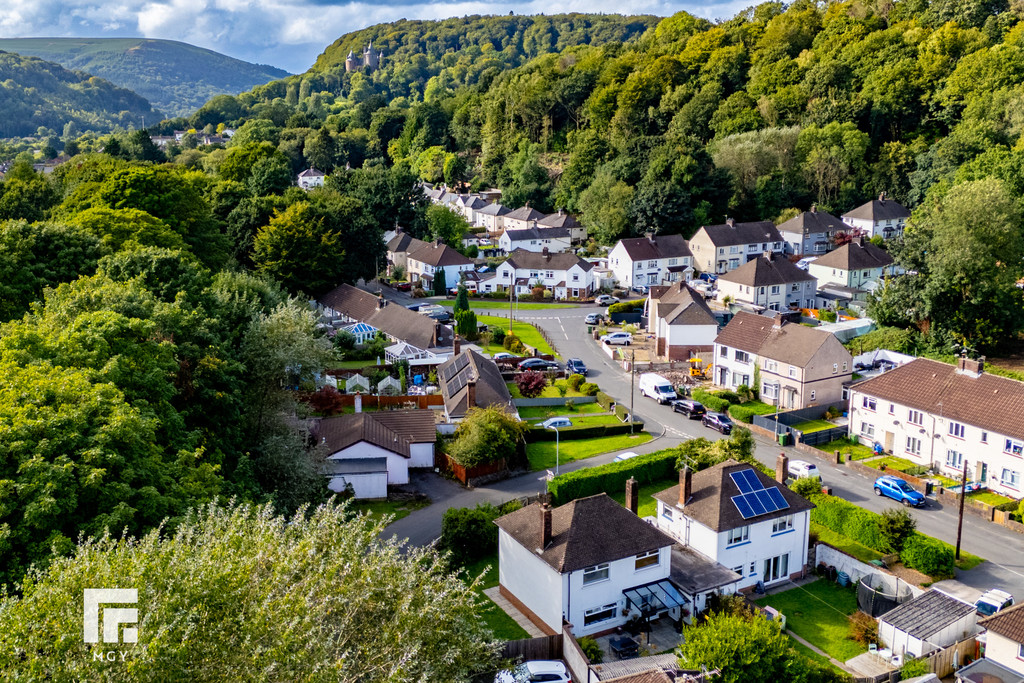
[(810, 232), (768, 282), (565, 274), (943, 416), (651, 260), (883, 217), (721, 248), (856, 265)]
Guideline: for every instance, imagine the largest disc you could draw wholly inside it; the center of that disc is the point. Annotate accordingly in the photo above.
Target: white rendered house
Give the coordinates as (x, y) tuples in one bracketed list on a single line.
[(881, 216), (651, 260)]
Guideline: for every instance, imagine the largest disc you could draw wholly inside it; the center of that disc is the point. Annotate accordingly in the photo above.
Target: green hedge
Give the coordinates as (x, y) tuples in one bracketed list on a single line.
[(469, 533), (626, 306), (745, 412), (710, 401), (930, 556), (604, 400), (535, 434), (612, 477)]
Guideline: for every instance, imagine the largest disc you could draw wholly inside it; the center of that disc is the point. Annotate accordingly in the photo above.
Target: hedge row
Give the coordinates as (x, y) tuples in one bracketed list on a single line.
[(604, 400), (535, 434), (611, 478), (745, 412), (930, 556), (710, 401), (627, 306)]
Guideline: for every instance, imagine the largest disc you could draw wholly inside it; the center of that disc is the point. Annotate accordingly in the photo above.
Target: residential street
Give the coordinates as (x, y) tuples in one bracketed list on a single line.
[(1003, 549)]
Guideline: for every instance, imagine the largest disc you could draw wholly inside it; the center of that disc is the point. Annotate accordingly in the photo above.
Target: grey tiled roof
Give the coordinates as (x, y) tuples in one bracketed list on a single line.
[(763, 272), (879, 210)]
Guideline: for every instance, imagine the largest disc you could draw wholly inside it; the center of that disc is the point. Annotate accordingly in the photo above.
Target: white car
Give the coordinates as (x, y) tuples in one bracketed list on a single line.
[(992, 601), (504, 354), (606, 300), (801, 469), (557, 422), (625, 456), (537, 670), (622, 338)]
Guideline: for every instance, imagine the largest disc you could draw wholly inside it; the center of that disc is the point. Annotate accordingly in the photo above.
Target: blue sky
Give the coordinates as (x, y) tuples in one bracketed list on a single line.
[(284, 33)]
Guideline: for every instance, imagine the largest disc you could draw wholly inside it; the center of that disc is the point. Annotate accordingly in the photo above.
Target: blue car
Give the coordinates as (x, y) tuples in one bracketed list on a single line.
[(898, 490)]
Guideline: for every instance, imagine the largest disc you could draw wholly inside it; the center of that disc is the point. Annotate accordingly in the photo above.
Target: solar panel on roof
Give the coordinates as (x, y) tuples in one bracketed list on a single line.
[(766, 500), (777, 497), (756, 505), (745, 511), (746, 481)]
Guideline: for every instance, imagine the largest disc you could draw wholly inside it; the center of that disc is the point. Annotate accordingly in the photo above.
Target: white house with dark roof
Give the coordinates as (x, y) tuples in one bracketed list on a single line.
[(522, 218), (427, 259), (311, 178), (565, 274), (399, 246), (358, 444), (741, 518), (799, 366), (468, 205), (555, 240), (810, 232), (926, 624), (768, 282), (561, 219), (651, 260), (858, 264), (883, 217), (469, 380), (941, 415), (492, 217), (1004, 649), (590, 562), (682, 323), (721, 248)]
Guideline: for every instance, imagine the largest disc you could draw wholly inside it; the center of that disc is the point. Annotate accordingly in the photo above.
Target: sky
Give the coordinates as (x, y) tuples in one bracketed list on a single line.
[(288, 34)]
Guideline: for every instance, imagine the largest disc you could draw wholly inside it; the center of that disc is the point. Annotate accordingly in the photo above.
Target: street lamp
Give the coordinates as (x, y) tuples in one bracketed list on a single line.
[(556, 448)]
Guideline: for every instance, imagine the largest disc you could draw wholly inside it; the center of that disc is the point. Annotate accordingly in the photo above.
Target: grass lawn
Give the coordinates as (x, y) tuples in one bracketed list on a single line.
[(945, 481), (355, 364), (814, 656), (591, 420), (859, 451), (893, 462), (396, 508), (648, 506), (818, 612), (990, 497), (550, 391), (844, 543), (476, 304), (529, 334), (542, 453), (813, 426), (504, 626), (530, 412)]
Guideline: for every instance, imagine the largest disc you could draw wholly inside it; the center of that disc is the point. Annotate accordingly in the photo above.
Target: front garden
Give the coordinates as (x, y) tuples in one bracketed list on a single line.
[(541, 454)]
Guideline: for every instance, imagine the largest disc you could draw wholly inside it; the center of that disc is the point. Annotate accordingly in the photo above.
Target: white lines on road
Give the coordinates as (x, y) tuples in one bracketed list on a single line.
[(1004, 568)]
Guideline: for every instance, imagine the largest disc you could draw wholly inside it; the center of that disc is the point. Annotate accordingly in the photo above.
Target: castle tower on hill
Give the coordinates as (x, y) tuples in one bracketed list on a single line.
[(371, 59)]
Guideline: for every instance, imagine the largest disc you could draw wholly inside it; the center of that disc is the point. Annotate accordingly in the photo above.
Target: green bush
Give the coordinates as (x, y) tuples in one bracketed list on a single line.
[(470, 534), (745, 412), (604, 400), (575, 381), (535, 434), (626, 306), (589, 389), (710, 401), (612, 477), (849, 520), (591, 649), (730, 396), (929, 556), (498, 336), (807, 486)]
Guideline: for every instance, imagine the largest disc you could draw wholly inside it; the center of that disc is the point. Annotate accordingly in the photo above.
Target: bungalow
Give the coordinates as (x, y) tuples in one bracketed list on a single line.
[(856, 264), (361, 446), (469, 380), (681, 322), (347, 304), (810, 232), (651, 260), (881, 216), (1004, 650), (427, 259), (311, 178), (768, 282), (565, 274), (555, 240), (721, 248)]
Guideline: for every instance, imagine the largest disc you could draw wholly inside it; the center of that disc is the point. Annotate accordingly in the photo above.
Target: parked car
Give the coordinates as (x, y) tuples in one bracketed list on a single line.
[(708, 277), (537, 670), (801, 469), (992, 601), (538, 364), (501, 355), (594, 318), (805, 263), (575, 366), (640, 289), (719, 421), (558, 422), (657, 387), (617, 338), (402, 286), (898, 490), (688, 407), (625, 456), (606, 300)]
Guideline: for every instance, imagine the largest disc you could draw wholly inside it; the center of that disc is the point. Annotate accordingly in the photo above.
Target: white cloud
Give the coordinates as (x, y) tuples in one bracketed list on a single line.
[(281, 32)]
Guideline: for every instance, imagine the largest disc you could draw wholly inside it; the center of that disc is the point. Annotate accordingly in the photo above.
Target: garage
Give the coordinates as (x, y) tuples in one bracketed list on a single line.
[(368, 476)]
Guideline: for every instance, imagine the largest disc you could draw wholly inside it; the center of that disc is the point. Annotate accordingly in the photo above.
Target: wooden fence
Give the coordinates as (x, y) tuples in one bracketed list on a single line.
[(545, 647), (471, 476), (946, 661)]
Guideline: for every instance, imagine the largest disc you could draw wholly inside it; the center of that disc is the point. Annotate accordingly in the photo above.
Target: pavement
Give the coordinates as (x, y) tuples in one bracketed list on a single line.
[(1003, 548)]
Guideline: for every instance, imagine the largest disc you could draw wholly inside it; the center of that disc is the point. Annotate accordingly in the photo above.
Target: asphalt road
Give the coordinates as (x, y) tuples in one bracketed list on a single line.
[(1003, 549)]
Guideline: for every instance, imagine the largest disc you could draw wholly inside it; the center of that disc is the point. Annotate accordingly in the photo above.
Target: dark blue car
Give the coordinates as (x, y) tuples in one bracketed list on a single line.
[(898, 490), (575, 367)]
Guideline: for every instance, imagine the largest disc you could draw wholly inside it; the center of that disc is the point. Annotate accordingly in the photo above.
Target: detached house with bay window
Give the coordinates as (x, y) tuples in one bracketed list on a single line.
[(944, 416)]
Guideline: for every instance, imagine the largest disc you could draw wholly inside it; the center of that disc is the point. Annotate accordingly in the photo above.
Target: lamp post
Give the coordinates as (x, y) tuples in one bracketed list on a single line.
[(556, 448)]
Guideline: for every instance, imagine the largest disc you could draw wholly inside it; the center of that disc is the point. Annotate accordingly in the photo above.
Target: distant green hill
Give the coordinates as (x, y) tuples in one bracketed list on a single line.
[(35, 93), (176, 77)]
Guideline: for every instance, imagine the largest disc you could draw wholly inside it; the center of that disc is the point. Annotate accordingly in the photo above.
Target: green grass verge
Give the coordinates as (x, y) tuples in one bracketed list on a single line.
[(529, 334), (859, 451), (550, 391), (590, 420), (396, 508), (503, 626), (542, 453), (989, 497), (892, 462), (648, 506), (818, 612), (967, 560), (355, 364), (813, 426), (814, 656), (844, 543), (530, 412), (477, 304)]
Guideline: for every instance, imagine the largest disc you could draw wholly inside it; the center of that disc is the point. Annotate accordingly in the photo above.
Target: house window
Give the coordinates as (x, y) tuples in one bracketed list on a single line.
[(770, 390), (782, 524), (753, 568), (954, 459), (639, 265), (770, 365), (916, 418), (792, 371), (835, 368), (652, 264), (845, 365), (892, 408), (666, 512), (867, 429), (575, 278), (549, 274), (775, 289), (913, 445), (739, 535), (984, 437), (723, 352), (1013, 447), (599, 614), (673, 261), (742, 356), (869, 403), (776, 568), (595, 574), (734, 250), (812, 395), (1010, 478), (751, 248), (795, 287), (956, 429), (648, 559)]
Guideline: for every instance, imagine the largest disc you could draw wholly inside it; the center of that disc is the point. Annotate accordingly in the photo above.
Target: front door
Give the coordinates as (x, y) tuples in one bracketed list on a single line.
[(776, 568), (889, 437), (982, 472)]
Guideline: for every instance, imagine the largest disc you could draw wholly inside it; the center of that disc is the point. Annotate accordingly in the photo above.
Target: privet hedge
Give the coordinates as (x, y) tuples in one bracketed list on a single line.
[(604, 400), (612, 477), (929, 555), (710, 401), (581, 432)]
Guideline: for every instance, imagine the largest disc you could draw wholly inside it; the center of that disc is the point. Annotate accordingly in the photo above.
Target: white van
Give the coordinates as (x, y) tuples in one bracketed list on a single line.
[(657, 387), (801, 469)]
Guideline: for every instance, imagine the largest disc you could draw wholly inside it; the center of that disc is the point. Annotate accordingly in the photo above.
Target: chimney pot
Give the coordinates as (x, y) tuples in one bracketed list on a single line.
[(731, 222), (685, 485), (545, 526), (782, 468), (632, 495)]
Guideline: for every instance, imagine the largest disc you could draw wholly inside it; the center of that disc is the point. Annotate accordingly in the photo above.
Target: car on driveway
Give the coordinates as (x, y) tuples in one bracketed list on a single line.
[(538, 364), (606, 300), (558, 422), (640, 289), (575, 366), (552, 671), (708, 277), (402, 286), (992, 601), (719, 421), (898, 490), (504, 355), (617, 338), (594, 319), (688, 407)]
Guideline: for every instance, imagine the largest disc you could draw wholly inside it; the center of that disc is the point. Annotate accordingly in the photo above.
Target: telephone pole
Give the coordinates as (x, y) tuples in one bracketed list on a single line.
[(963, 497), (632, 394)]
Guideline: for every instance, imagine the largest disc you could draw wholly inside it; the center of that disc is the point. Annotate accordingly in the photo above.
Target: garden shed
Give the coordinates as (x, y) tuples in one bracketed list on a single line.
[(931, 621)]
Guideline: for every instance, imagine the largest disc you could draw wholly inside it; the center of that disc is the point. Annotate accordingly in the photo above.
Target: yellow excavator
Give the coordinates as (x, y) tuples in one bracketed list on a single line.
[(697, 369)]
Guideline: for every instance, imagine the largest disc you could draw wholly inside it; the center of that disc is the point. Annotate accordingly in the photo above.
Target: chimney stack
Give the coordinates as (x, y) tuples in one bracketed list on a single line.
[(779, 321), (381, 301), (967, 366), (685, 485), (457, 345), (814, 208), (545, 526), (471, 393), (767, 255), (881, 197), (782, 468), (632, 495), (359, 403), (731, 222)]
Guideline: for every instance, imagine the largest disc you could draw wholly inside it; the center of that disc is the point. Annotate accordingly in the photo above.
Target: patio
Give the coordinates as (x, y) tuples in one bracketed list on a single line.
[(663, 638)]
